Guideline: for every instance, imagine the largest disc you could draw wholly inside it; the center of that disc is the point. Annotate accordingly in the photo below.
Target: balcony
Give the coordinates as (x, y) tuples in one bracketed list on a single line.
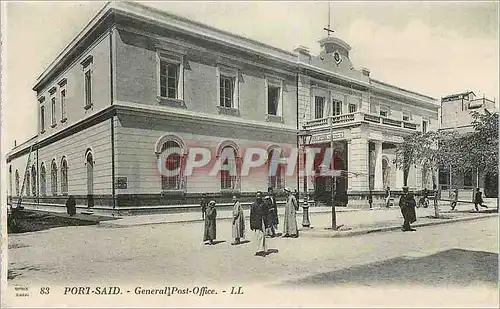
[(356, 118)]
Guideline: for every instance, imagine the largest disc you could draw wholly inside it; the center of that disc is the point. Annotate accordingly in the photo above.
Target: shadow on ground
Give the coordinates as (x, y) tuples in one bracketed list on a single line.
[(451, 267), (24, 221), (13, 273)]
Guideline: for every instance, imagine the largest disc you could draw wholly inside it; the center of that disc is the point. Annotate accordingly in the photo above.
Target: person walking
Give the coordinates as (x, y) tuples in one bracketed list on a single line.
[(238, 222), (210, 223), (258, 218), (425, 196), (478, 199), (290, 221), (203, 205), (388, 197), (407, 204), (370, 199), (454, 199)]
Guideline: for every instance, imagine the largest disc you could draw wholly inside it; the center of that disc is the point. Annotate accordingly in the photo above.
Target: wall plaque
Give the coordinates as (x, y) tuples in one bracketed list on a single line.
[(121, 183), (326, 137)]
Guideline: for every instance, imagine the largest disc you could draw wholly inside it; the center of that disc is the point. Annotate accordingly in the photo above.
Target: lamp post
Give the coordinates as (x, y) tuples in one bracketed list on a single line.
[(305, 137)]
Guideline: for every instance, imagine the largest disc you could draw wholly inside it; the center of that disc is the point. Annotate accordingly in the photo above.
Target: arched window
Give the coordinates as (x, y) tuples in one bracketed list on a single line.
[(229, 170), (43, 180), (17, 183), (64, 176), (89, 162), (276, 179), (53, 176), (173, 160), (27, 183), (33, 180)]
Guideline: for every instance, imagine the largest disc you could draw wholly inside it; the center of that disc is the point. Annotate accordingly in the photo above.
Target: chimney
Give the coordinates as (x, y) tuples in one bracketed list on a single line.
[(303, 54), (365, 72), (15, 143)]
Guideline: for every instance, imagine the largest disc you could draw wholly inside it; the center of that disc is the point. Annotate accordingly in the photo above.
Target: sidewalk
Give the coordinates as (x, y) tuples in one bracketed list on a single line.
[(196, 217), (383, 220), (320, 217)]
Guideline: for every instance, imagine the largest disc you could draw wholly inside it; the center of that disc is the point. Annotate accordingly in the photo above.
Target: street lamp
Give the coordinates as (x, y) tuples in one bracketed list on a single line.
[(305, 137)]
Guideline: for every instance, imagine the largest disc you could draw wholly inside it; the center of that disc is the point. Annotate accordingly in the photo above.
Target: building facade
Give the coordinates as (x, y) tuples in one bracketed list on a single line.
[(456, 115), (138, 82)]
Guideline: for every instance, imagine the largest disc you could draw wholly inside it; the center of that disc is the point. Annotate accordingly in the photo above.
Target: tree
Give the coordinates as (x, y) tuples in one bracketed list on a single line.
[(432, 149), (478, 150), (405, 154)]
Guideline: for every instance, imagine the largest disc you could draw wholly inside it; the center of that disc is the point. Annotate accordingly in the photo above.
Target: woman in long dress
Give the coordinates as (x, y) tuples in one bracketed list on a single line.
[(290, 221), (210, 223), (238, 222)]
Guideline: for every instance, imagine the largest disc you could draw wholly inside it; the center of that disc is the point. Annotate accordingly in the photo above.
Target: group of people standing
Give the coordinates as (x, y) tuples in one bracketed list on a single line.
[(264, 219)]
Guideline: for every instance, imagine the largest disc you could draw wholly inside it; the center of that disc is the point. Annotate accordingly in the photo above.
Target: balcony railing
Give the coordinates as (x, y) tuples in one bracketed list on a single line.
[(358, 117)]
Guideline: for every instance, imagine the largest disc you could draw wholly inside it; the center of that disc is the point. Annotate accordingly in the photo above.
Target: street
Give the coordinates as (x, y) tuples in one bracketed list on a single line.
[(459, 254)]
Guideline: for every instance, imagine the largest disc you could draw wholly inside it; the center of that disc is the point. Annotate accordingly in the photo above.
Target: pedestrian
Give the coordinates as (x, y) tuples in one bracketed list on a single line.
[(425, 195), (388, 197), (370, 199), (296, 194), (258, 218), (478, 199), (454, 199), (290, 221), (210, 223), (238, 222), (71, 205), (272, 217), (407, 204), (203, 205)]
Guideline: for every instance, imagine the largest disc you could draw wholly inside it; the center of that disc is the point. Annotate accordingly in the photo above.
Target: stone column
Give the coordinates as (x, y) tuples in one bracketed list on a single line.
[(378, 183), (357, 156)]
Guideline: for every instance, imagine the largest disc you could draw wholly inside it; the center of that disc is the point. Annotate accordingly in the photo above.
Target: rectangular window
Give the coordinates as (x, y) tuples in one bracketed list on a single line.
[(424, 126), (406, 116), (373, 108), (226, 91), (384, 111), (319, 107), (53, 110), (352, 108), (88, 87), (169, 80), (42, 118), (63, 104), (273, 97), (337, 107)]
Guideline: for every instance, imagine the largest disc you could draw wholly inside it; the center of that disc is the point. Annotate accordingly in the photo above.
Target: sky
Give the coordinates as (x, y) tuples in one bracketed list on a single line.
[(435, 48)]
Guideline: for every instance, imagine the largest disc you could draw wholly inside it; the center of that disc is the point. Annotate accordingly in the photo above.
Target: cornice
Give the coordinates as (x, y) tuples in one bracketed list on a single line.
[(39, 142), (184, 115), (406, 105), (424, 102)]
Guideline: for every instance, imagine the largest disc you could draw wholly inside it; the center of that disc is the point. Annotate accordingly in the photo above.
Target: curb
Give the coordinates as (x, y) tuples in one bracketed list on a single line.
[(337, 234), (111, 224)]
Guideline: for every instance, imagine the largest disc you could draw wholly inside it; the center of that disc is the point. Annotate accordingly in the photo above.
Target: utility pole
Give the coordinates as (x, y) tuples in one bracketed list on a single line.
[(334, 182)]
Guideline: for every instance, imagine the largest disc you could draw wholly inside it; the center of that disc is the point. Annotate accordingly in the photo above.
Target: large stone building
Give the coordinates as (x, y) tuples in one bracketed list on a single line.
[(456, 115), (138, 81)]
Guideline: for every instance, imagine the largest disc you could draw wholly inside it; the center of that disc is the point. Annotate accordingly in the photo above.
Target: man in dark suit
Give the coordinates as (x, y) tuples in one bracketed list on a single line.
[(258, 223), (478, 199), (272, 216), (407, 204)]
